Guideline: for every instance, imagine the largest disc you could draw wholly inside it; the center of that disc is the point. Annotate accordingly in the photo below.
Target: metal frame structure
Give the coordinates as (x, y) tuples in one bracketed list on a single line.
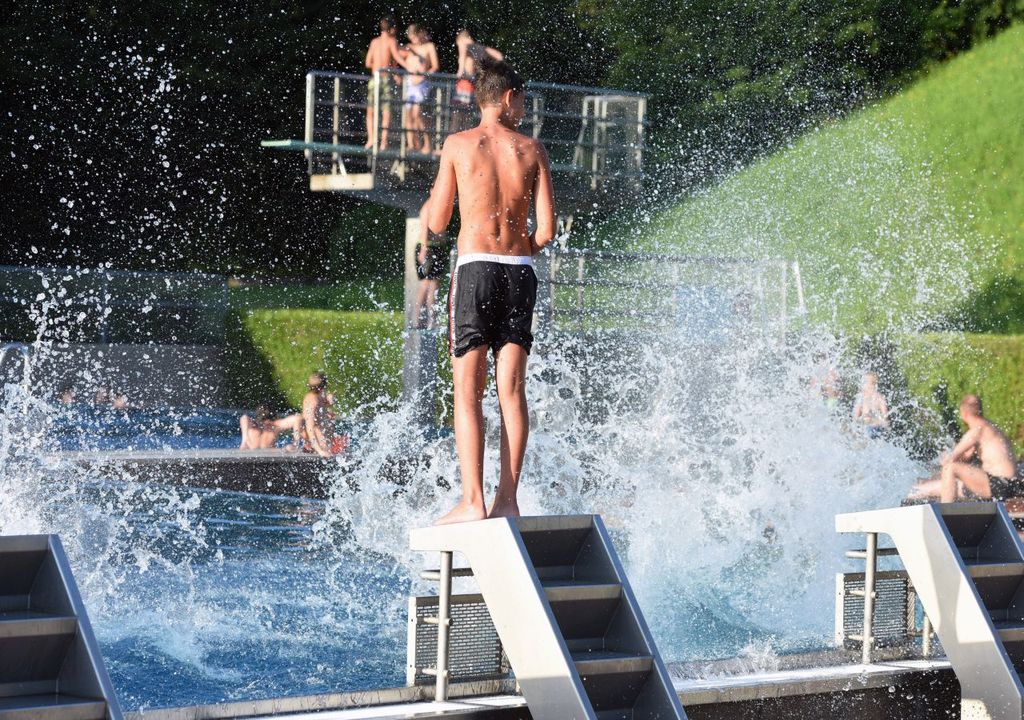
[(594, 134), (567, 618), (103, 294), (966, 562)]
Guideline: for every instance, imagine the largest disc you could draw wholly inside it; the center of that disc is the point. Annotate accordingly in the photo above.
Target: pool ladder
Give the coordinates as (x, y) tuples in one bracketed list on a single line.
[(443, 576), (567, 619)]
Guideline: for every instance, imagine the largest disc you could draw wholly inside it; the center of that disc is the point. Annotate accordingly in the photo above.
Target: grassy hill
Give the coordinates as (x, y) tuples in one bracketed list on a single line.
[(910, 209)]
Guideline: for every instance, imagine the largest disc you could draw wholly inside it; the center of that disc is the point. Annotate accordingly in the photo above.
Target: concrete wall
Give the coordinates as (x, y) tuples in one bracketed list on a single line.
[(150, 375)]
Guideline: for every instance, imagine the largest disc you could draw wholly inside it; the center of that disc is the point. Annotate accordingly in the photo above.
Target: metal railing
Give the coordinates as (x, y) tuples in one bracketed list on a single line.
[(886, 596), (709, 297), (442, 620), (90, 305), (596, 133)]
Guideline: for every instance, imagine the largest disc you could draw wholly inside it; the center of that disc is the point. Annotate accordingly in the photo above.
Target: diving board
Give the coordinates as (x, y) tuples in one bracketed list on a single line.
[(567, 618)]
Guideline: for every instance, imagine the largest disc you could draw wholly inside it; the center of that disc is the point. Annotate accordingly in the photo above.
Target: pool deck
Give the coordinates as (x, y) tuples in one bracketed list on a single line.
[(272, 472), (902, 689)]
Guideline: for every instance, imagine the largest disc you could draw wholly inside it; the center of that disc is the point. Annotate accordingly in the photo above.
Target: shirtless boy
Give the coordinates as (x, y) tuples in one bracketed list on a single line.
[(382, 55), (983, 441), (496, 173), (418, 57), (318, 418), (261, 430)]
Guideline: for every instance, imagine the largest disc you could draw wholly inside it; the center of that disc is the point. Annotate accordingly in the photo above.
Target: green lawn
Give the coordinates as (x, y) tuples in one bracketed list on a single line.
[(911, 208), (278, 335)]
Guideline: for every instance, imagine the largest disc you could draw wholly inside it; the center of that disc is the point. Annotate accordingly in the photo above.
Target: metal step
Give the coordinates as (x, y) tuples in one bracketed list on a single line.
[(1010, 631), (46, 640), (994, 569), (30, 623), (604, 662), (583, 610), (52, 707)]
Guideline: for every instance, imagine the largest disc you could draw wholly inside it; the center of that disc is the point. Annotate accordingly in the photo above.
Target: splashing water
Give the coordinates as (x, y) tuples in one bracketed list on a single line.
[(715, 465)]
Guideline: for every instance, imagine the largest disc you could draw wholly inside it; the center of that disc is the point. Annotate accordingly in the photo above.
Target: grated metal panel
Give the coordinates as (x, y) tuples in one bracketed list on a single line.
[(895, 621), (475, 651)]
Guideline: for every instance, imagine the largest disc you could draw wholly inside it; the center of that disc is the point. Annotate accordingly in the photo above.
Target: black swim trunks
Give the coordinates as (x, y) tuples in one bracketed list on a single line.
[(490, 302), (1005, 488)]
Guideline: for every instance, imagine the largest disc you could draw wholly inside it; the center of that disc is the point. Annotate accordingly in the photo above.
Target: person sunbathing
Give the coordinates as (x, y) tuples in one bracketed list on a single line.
[(993, 478), (261, 431)]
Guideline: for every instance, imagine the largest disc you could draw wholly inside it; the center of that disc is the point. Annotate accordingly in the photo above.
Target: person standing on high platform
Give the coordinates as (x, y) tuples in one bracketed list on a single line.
[(496, 173), (383, 54)]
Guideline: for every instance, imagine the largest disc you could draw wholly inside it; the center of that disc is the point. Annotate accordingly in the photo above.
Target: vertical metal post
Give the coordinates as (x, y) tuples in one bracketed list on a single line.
[(107, 303), (310, 117), (336, 123), (870, 563), (443, 626), (926, 637)]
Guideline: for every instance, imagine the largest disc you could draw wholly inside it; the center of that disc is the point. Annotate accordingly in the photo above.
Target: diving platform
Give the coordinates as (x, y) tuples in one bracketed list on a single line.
[(567, 619), (966, 563), (594, 136)]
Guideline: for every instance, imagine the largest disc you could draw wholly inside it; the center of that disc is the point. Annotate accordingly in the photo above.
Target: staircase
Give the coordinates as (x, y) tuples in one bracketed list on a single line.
[(568, 621), (967, 564), (50, 666)]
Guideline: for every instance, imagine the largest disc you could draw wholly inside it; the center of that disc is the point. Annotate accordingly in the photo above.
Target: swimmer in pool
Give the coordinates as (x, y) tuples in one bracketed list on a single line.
[(870, 408), (496, 173), (995, 475)]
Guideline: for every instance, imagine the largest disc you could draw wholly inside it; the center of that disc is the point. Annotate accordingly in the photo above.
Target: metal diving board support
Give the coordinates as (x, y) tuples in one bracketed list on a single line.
[(567, 619), (966, 563)]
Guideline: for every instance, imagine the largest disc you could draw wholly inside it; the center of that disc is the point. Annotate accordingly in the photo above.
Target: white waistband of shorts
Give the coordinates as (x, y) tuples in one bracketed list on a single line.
[(488, 257)]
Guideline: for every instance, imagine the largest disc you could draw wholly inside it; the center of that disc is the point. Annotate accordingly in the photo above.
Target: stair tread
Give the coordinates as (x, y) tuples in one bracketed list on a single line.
[(26, 702), (596, 662), (561, 589), (26, 623), (968, 508), (994, 568)]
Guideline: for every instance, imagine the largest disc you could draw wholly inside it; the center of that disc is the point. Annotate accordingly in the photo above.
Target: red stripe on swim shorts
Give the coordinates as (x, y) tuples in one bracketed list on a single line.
[(451, 312)]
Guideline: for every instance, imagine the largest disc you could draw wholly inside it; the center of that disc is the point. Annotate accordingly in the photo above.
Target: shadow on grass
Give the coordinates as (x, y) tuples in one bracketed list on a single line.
[(996, 307), (250, 374)]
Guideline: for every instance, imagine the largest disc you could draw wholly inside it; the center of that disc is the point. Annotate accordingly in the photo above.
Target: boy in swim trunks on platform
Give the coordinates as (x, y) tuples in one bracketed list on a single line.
[(383, 54), (993, 478), (496, 173)]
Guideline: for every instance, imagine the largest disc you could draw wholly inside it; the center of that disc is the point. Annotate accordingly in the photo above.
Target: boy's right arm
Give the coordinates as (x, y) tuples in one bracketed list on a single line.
[(369, 56), (544, 202)]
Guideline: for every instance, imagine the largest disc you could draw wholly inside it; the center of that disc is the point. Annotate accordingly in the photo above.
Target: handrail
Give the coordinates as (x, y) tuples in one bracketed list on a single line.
[(589, 89)]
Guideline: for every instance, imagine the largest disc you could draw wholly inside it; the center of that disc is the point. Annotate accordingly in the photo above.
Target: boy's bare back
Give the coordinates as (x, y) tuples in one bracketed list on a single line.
[(496, 173), (382, 53)]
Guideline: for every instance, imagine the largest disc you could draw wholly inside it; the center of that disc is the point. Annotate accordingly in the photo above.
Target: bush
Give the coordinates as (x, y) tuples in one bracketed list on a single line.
[(941, 368)]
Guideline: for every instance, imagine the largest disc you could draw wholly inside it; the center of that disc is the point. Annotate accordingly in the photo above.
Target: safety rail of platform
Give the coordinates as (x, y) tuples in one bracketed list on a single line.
[(597, 133), (585, 289), (101, 305)]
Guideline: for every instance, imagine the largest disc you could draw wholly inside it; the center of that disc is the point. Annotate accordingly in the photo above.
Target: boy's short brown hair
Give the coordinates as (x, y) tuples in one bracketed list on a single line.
[(493, 79)]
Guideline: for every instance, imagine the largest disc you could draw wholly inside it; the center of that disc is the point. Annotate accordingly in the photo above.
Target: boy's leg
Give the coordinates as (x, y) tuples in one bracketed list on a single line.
[(470, 376), (515, 427)]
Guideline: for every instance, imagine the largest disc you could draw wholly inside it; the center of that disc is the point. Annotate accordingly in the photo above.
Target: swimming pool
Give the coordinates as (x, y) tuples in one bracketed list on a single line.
[(84, 427), (717, 476)]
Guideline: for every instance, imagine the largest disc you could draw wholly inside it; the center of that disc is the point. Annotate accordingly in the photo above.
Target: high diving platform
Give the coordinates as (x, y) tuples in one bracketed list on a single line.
[(594, 136)]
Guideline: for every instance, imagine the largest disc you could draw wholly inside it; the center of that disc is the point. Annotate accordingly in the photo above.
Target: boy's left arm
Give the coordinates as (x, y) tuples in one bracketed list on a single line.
[(544, 202)]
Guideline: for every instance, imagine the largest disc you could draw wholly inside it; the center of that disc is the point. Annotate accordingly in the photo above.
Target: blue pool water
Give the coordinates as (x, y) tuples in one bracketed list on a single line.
[(83, 427)]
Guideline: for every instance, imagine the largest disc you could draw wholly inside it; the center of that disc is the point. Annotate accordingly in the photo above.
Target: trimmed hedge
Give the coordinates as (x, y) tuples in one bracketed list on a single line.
[(941, 368), (270, 354)]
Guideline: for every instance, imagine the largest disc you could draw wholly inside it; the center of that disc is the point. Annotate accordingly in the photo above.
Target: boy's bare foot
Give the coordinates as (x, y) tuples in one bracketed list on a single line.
[(463, 512), (503, 509)]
